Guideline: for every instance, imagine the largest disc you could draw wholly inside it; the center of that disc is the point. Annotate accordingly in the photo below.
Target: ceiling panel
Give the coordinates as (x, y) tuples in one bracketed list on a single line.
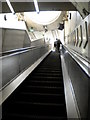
[(43, 6)]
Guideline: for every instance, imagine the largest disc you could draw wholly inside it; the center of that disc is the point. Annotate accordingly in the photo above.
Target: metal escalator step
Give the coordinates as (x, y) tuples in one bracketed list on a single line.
[(45, 77), (37, 108), (44, 83), (47, 74), (34, 117), (51, 71), (40, 89), (50, 68), (40, 96)]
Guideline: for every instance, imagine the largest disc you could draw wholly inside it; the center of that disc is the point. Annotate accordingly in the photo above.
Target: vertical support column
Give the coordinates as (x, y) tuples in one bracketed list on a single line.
[(89, 57), (64, 33), (0, 65)]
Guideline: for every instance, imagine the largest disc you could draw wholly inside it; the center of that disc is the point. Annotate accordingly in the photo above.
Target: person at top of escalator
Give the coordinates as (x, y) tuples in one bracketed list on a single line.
[(57, 44)]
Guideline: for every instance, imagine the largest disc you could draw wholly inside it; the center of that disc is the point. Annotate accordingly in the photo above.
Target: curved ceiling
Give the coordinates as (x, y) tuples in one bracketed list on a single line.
[(51, 23), (44, 17)]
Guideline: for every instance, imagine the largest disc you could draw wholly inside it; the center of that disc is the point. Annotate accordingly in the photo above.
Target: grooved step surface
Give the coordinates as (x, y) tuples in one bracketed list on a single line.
[(40, 96)]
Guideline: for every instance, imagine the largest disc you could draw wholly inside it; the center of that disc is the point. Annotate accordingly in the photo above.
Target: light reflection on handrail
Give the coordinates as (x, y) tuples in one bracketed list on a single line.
[(84, 64), (18, 51)]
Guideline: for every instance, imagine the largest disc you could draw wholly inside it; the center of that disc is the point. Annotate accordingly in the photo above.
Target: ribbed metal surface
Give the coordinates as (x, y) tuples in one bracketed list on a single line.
[(40, 96)]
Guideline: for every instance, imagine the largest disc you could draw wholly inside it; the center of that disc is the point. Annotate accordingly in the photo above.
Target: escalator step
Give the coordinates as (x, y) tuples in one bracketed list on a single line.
[(34, 117), (40, 96), (45, 83)]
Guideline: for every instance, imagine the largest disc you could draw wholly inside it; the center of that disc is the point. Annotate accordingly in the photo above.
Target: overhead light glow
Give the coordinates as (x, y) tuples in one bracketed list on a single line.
[(44, 17), (10, 6), (36, 6)]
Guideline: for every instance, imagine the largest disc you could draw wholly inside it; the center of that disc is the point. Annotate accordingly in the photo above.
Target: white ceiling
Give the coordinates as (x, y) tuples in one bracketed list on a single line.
[(44, 5), (43, 17), (51, 26)]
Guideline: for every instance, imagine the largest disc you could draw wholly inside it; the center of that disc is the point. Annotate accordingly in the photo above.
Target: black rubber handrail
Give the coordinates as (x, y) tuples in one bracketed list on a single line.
[(19, 51), (79, 59), (15, 50)]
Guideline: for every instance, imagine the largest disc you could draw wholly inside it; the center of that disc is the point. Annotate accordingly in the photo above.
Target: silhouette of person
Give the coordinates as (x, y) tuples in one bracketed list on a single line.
[(58, 44)]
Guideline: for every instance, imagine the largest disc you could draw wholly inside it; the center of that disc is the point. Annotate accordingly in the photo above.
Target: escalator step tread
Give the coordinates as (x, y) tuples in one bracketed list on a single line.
[(40, 96), (34, 117)]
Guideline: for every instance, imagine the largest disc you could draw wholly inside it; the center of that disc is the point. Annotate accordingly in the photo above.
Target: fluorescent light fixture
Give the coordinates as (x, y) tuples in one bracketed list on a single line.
[(10, 6), (36, 6)]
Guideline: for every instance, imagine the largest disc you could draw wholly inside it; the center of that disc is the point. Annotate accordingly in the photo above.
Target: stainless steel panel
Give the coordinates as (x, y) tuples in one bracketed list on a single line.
[(26, 59), (83, 35), (14, 39), (10, 68), (1, 32), (0, 73), (38, 42), (13, 65), (26, 42), (80, 82)]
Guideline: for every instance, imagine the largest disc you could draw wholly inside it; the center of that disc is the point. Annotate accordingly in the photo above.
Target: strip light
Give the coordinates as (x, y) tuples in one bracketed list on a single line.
[(10, 6), (36, 6)]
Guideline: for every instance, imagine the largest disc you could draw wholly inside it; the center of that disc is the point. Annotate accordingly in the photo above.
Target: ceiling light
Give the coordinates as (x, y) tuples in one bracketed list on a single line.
[(44, 17), (10, 6), (36, 6)]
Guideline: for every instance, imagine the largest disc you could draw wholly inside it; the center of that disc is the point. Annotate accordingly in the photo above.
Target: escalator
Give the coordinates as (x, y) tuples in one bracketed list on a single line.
[(40, 96)]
